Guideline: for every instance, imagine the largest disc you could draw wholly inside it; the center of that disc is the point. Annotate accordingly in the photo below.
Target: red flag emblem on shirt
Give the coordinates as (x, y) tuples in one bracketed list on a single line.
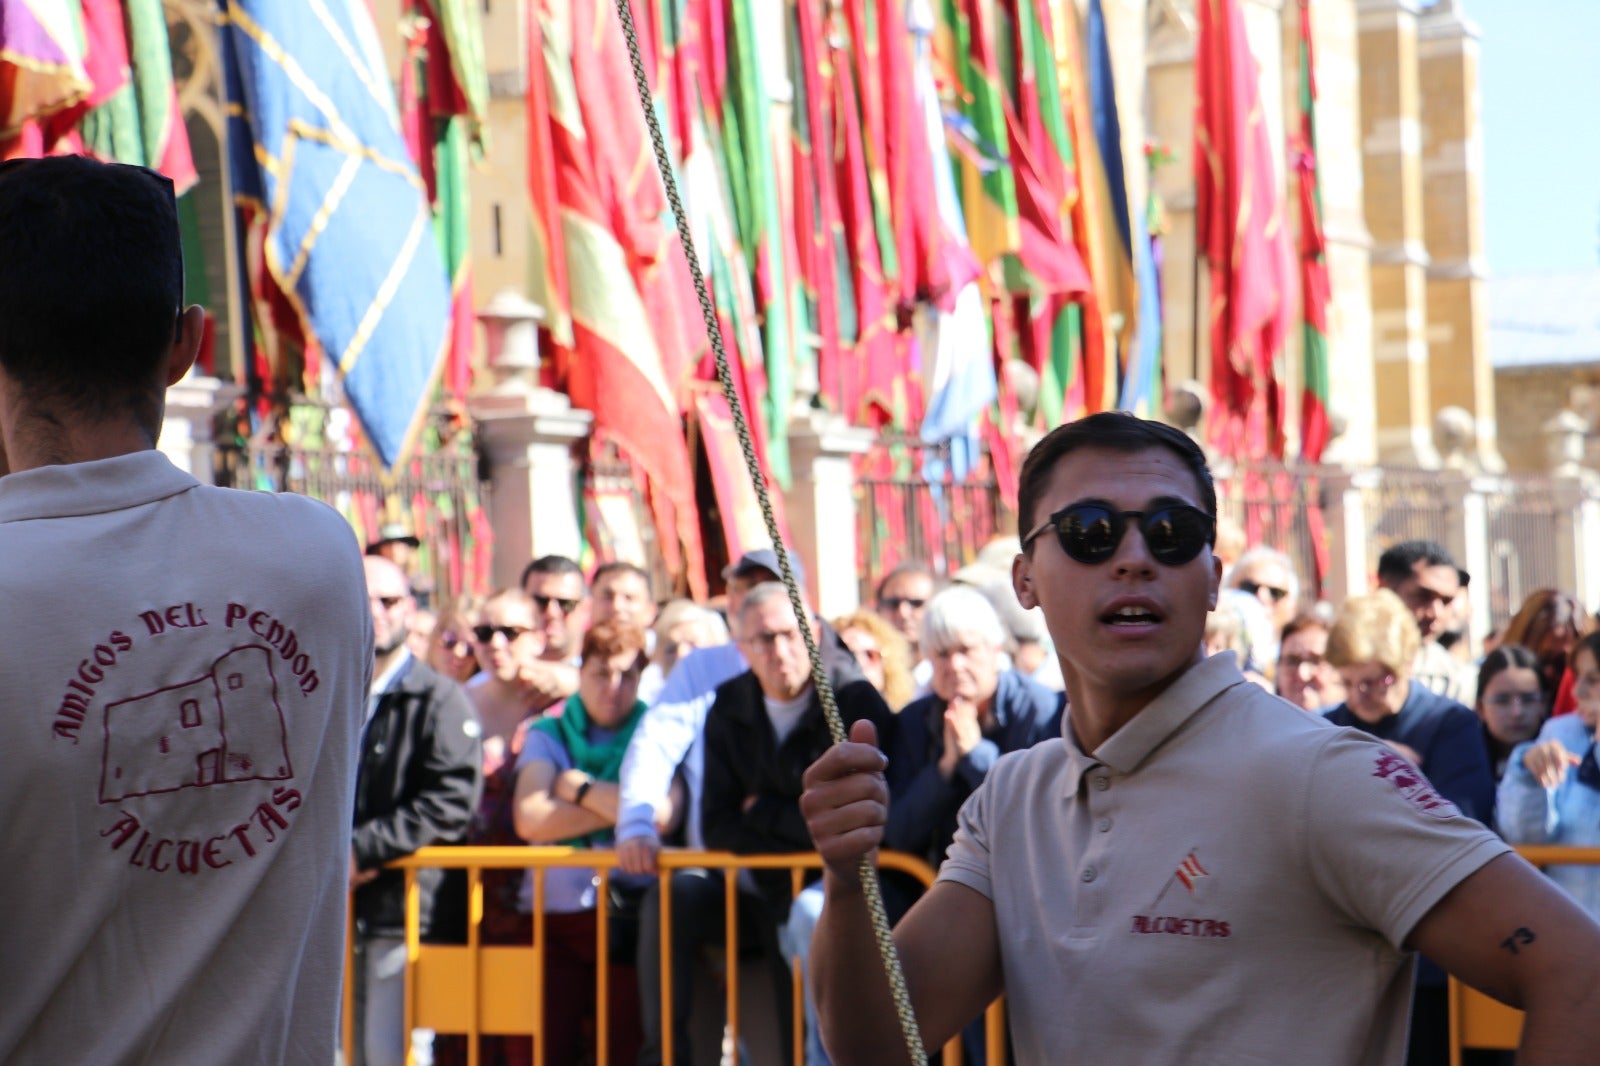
[(1189, 871)]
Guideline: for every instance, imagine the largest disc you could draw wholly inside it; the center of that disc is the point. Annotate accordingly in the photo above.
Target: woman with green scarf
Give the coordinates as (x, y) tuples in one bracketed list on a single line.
[(567, 794)]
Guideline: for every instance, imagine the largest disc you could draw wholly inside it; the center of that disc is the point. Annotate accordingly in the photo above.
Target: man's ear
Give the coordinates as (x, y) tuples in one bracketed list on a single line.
[(186, 348), (1022, 581), (1216, 583)]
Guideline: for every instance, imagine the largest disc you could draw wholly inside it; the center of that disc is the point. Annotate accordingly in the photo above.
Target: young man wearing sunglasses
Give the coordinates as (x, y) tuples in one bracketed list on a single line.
[(561, 615), (1195, 872), (184, 669)]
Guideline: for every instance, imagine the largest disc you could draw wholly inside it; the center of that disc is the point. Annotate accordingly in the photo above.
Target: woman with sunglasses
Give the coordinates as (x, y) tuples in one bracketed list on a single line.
[(1373, 642), (451, 651)]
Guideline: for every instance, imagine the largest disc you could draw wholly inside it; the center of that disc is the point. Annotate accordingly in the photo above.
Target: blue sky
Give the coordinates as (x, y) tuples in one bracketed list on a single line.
[(1540, 80)]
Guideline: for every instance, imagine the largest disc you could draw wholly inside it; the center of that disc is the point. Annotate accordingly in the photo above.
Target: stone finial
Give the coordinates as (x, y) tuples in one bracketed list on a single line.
[(511, 335), (1564, 442), (1455, 434)]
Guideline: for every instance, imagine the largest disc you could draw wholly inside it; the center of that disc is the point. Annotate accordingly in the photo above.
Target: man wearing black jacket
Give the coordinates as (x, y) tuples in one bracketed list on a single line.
[(417, 784), (764, 729)]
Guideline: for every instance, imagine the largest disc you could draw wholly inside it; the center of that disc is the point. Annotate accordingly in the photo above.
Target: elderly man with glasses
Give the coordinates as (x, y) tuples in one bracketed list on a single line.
[(1193, 871)]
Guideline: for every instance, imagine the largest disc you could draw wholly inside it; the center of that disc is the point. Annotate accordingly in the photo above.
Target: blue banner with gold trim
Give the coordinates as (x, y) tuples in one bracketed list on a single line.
[(314, 143)]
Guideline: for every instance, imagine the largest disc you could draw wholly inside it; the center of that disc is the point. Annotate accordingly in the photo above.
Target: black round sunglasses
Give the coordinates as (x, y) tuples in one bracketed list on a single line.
[(1091, 532)]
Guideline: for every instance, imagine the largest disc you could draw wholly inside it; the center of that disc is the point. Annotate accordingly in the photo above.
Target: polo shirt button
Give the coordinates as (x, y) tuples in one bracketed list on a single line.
[(1104, 825), (1088, 874), (1102, 783)]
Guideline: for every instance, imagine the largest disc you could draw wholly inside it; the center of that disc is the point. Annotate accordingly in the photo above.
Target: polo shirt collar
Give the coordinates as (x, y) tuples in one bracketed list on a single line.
[(1163, 716), (105, 485)]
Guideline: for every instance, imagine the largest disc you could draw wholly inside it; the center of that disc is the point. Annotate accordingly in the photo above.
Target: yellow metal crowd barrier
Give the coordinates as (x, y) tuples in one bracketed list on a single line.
[(1480, 1021), (498, 989)]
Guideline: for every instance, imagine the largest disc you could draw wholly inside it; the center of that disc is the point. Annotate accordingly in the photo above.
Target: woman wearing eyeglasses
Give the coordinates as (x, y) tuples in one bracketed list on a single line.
[(1510, 703), (1373, 642)]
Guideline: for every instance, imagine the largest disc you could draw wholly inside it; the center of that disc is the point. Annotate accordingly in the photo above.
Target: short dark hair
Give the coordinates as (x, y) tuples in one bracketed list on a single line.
[(1119, 431), (621, 566), (912, 567), (91, 284), (1398, 561), (550, 564), (1505, 657)]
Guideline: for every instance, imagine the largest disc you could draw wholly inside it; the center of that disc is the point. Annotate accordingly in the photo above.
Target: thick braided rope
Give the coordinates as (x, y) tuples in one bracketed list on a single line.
[(869, 879)]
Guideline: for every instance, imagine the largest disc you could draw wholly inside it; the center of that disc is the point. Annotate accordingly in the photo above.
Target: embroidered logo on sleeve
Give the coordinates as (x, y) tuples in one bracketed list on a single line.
[(1410, 783)]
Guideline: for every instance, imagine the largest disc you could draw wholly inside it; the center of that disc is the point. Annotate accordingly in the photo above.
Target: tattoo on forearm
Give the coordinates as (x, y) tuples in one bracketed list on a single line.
[(1518, 940)]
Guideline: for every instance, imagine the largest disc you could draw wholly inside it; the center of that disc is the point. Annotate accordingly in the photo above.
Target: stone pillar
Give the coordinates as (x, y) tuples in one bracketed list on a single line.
[(533, 503), (1577, 515), (1347, 532), (1467, 536), (188, 435), (1459, 371), (1392, 149), (1575, 506), (528, 432), (821, 507)]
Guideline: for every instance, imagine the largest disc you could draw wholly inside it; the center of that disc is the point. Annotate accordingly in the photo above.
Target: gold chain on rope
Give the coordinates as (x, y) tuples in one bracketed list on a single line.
[(830, 709)]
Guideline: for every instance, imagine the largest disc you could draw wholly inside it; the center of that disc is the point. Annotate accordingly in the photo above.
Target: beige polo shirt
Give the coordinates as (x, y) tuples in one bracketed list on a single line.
[(1225, 880)]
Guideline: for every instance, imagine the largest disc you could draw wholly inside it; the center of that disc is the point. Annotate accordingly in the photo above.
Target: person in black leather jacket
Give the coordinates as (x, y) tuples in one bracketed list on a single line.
[(418, 777), (764, 729)]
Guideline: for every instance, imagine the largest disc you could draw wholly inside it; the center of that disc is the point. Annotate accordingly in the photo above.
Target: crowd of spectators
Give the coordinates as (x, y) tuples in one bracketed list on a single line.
[(611, 718)]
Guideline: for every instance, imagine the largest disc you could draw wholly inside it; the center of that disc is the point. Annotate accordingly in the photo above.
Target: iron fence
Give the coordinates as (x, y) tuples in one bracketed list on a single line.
[(1409, 505), (1283, 507), (922, 502), (1523, 549), (439, 494)]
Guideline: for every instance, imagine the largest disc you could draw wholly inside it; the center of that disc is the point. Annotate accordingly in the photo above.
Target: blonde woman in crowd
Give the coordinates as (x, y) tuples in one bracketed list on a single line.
[(884, 655)]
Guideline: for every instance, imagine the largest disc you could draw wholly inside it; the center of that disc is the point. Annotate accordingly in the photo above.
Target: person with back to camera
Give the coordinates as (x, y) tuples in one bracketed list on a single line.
[(1193, 873), (184, 669)]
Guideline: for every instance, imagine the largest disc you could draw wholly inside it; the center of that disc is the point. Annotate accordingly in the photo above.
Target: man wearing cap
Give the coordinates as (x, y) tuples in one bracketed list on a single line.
[(1426, 578)]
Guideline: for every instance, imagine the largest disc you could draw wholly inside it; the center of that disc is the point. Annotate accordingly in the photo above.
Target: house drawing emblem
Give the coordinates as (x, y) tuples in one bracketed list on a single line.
[(221, 728)]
